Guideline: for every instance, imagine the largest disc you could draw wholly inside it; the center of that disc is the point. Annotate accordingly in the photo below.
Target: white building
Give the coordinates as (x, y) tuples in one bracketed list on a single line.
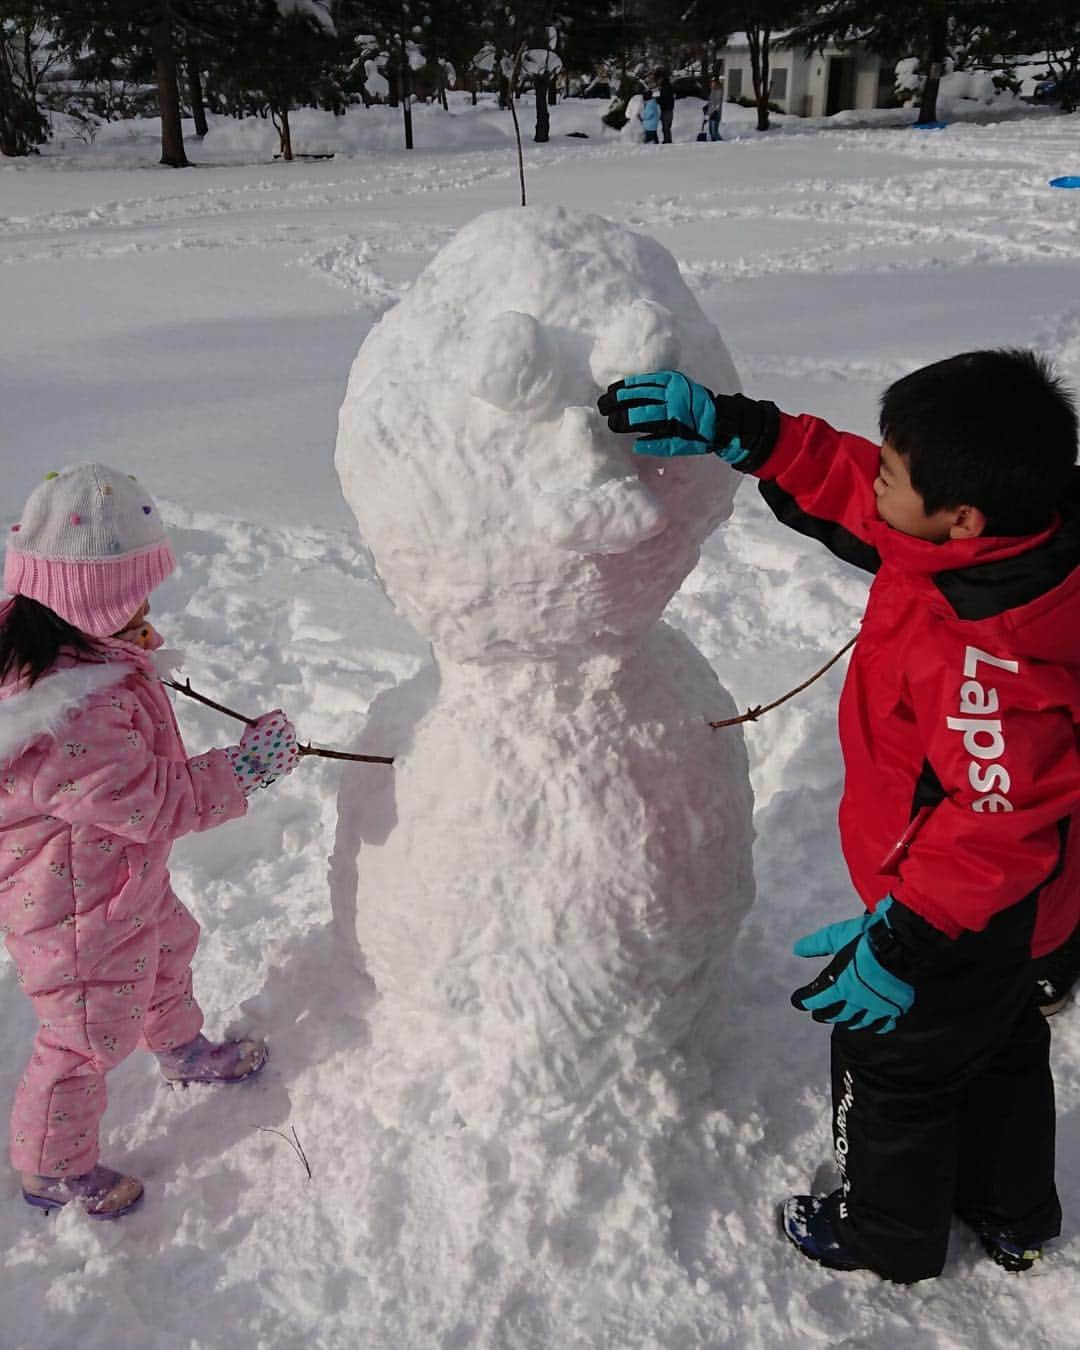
[(812, 84)]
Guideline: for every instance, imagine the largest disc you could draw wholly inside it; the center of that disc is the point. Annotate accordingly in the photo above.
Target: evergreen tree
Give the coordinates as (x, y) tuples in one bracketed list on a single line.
[(395, 29), (1050, 28), (285, 54), (141, 36), (27, 51)]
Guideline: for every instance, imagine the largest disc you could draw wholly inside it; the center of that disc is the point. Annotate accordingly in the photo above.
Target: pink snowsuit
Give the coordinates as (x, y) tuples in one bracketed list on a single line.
[(95, 784)]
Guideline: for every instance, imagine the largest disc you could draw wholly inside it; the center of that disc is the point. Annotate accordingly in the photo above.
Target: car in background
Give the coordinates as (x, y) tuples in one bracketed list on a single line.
[(690, 86), (1055, 89), (605, 89)]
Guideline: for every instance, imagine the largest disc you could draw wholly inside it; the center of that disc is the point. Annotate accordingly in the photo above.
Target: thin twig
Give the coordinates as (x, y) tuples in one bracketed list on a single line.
[(752, 714), (186, 688), (515, 75), (293, 1143), (306, 749)]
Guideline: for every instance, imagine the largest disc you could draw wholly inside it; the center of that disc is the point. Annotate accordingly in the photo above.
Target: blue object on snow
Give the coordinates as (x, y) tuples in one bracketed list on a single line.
[(1071, 180), (929, 126)]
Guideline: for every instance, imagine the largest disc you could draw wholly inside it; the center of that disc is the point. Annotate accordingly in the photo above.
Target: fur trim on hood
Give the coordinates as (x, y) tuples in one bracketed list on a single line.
[(41, 709)]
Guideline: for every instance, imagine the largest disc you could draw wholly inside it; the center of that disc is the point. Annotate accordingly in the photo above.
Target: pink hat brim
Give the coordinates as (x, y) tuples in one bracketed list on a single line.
[(98, 597)]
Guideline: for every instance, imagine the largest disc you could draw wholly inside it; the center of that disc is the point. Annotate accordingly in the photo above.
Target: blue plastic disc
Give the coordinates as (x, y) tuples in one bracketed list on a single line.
[(1071, 180), (930, 126)]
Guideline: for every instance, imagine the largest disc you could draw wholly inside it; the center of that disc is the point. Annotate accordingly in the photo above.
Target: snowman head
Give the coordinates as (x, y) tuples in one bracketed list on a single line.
[(506, 521)]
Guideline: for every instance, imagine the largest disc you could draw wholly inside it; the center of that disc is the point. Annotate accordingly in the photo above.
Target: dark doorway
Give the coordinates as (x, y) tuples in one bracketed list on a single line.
[(841, 91)]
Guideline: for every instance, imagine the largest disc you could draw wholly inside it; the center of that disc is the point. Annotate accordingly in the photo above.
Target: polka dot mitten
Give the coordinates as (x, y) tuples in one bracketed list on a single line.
[(267, 752)]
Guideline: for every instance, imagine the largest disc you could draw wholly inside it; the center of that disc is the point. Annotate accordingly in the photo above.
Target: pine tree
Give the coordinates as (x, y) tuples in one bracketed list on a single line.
[(26, 52), (1050, 27), (284, 54), (141, 36)]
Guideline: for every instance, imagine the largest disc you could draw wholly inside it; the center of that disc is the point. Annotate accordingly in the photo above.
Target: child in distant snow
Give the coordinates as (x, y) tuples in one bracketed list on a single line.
[(650, 118), (95, 784)]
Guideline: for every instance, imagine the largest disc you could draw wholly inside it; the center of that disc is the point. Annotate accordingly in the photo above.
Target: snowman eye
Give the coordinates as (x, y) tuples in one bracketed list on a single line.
[(513, 364), (641, 337)]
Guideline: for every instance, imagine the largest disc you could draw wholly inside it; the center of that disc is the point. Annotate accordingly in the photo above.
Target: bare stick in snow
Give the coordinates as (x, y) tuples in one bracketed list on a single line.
[(515, 75), (293, 1143)]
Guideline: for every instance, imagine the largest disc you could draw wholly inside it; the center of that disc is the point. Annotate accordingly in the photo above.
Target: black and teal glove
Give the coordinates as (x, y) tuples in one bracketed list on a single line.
[(864, 987), (673, 415)]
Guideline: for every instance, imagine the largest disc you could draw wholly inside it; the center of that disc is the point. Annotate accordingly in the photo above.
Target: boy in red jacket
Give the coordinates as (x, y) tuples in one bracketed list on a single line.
[(962, 777)]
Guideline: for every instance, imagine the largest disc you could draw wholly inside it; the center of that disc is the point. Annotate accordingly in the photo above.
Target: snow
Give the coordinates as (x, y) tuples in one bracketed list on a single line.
[(199, 328)]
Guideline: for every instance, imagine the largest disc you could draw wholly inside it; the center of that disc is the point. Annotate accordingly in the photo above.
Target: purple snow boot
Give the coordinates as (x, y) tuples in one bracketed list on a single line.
[(103, 1193), (203, 1061)]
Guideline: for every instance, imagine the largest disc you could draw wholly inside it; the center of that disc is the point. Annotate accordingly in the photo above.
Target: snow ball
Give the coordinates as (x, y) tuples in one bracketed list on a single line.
[(513, 365), (641, 338)]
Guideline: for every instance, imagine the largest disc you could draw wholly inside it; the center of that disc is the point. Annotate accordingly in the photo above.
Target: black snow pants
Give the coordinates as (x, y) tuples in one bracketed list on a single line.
[(950, 1113)]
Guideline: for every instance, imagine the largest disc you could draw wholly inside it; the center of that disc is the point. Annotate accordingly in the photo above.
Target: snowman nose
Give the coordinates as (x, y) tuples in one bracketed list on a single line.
[(580, 437)]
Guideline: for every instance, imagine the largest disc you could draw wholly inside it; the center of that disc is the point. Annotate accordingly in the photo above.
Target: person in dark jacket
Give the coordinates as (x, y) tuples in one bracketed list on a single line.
[(666, 98), (962, 781)]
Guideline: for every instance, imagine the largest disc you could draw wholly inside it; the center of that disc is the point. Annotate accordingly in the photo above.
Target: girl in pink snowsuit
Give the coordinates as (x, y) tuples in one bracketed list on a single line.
[(95, 784)]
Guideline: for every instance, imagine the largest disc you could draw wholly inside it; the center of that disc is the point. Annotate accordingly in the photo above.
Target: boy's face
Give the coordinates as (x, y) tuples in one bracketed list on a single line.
[(900, 506)]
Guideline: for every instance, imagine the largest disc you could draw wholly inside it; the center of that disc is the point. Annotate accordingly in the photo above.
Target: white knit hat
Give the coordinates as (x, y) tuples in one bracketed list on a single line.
[(90, 546)]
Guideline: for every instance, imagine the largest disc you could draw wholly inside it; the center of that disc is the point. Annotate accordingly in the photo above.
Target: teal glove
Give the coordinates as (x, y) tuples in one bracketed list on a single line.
[(855, 990), (677, 415)]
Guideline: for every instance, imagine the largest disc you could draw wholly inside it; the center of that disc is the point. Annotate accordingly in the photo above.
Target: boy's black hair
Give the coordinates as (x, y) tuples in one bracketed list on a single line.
[(992, 429), (32, 636)]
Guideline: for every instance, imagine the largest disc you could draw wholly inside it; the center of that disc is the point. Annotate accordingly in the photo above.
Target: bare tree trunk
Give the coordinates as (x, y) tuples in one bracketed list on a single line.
[(543, 117), (405, 91), (172, 135), (280, 119), (12, 144), (936, 52), (195, 90), (758, 38)]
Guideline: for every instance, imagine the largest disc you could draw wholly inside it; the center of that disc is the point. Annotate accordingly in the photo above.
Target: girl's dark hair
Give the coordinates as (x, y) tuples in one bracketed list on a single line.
[(992, 429), (32, 637)]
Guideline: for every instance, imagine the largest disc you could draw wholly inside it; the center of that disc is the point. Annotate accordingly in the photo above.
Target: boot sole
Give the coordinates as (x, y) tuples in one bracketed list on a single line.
[(47, 1206), (818, 1260), (224, 1082)]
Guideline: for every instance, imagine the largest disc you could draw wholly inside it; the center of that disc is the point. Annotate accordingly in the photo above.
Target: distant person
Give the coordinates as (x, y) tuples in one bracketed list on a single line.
[(962, 787), (96, 786), (714, 109), (650, 118), (666, 99)]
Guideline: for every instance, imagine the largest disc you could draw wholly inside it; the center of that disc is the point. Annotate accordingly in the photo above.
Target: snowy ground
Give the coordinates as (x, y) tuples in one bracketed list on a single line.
[(199, 327)]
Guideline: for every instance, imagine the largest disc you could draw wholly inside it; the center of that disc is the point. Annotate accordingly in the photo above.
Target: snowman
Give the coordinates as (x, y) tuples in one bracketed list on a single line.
[(553, 910)]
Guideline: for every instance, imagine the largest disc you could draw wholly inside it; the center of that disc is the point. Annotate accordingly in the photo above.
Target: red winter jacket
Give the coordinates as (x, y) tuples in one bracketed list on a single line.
[(958, 715)]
